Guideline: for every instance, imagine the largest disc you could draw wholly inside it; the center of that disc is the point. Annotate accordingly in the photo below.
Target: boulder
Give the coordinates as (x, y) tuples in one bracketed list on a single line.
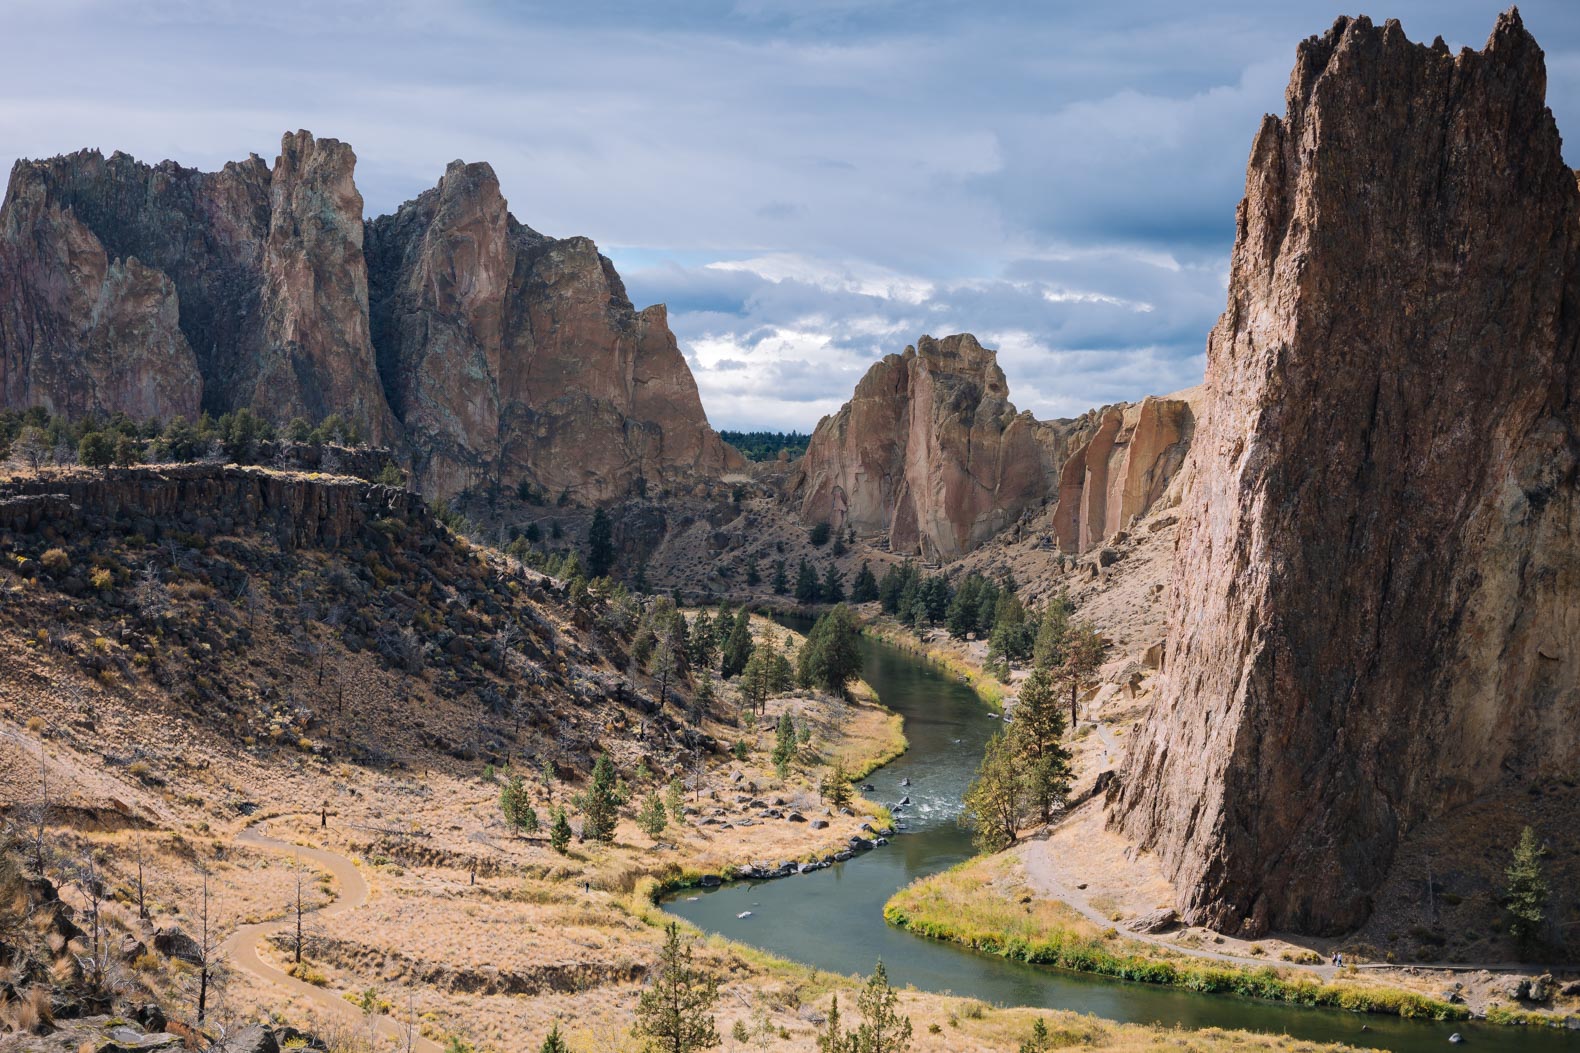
[(1164, 919)]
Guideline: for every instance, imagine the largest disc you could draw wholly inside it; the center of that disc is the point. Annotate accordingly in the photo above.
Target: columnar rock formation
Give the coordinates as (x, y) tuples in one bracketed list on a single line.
[(484, 350), (1376, 613), (1134, 450), (930, 452)]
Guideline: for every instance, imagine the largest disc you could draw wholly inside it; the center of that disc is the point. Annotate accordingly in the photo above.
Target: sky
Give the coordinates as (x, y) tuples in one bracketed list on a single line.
[(808, 184)]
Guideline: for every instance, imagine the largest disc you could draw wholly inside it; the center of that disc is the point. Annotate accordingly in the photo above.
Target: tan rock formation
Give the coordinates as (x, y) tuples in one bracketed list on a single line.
[(1134, 450), (509, 355), (501, 354), (930, 451), (1377, 582)]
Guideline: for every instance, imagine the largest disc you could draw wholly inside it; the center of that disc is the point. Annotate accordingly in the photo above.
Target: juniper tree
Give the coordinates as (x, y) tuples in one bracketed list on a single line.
[(1525, 896), (882, 1028)]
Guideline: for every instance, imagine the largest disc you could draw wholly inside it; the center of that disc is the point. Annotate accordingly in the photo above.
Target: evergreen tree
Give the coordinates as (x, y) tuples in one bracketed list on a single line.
[(784, 744), (754, 576), (757, 678), (560, 832), (703, 647), (865, 587), (1052, 630), (995, 803), (554, 1043), (1039, 1042), (882, 1028), (675, 1013), (675, 800), (600, 805), (1013, 636), (830, 658), (781, 583), (807, 588), (1037, 731), (833, 588), (1083, 654), (831, 1037), (651, 818), (600, 545), (892, 589), (836, 786), (738, 650), (516, 806), (1525, 894)]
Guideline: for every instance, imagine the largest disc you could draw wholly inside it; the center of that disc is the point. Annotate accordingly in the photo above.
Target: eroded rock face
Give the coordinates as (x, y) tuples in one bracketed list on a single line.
[(1377, 585), (1123, 459), (930, 452), (511, 355), (484, 351), (259, 272)]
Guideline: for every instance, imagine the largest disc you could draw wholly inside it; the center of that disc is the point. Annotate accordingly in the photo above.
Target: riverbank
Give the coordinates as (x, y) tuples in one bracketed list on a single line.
[(954, 659), (986, 904)]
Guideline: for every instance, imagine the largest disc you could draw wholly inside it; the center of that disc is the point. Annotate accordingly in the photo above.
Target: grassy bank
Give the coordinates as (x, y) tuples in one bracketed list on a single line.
[(968, 905), (986, 686)]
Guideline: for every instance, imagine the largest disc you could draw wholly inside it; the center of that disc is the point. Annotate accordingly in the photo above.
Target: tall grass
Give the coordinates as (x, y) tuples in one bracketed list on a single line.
[(942, 910)]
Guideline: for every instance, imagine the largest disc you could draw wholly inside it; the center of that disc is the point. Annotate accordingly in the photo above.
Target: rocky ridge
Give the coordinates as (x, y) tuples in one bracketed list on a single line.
[(1374, 607), (485, 352), (931, 454)]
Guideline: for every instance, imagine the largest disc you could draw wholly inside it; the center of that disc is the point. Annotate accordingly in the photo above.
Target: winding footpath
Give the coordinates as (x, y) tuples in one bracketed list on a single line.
[(241, 949)]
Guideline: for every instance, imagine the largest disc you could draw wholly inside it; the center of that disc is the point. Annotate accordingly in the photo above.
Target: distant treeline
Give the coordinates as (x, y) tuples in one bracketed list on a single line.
[(765, 445), (36, 438)]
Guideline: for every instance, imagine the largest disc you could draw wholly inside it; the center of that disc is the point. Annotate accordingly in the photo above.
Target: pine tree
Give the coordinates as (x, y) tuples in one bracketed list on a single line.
[(651, 818), (831, 657), (784, 743), (836, 786), (754, 576), (560, 832), (1036, 734), (738, 650), (865, 588), (807, 587), (675, 800), (600, 545), (553, 1043), (1039, 1041), (1083, 654), (882, 1028), (781, 583), (995, 802), (833, 587), (1525, 895), (675, 1013), (831, 1037), (600, 805)]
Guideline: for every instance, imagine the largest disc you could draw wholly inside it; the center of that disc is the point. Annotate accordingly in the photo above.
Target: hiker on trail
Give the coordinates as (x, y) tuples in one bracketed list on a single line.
[(323, 817)]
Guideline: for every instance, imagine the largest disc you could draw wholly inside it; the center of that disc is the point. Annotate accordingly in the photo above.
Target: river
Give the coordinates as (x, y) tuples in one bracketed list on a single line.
[(833, 919)]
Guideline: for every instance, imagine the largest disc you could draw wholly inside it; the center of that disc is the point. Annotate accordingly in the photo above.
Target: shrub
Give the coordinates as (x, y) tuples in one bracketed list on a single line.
[(56, 561), (101, 578)]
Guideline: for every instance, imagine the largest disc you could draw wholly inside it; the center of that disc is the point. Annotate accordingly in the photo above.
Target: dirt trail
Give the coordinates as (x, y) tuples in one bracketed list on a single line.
[(241, 949)]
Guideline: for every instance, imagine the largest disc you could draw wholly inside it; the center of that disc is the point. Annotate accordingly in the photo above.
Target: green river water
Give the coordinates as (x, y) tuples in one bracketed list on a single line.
[(833, 919)]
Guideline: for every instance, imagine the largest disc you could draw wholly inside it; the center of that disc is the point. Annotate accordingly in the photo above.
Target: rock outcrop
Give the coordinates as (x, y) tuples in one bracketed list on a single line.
[(930, 452), (510, 354), (484, 351), (1130, 454), (1377, 583)]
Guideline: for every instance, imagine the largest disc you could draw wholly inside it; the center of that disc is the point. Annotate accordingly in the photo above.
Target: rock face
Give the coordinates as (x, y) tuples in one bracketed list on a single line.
[(1130, 454), (481, 349), (931, 452), (510, 354), (1377, 584)]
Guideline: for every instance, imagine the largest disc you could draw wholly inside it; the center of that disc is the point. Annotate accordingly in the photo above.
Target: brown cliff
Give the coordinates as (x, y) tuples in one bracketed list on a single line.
[(512, 355), (1377, 581), (930, 452), (483, 350)]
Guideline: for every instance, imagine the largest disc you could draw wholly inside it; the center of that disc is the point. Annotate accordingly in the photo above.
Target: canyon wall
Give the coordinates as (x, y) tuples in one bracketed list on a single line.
[(930, 452), (1376, 606), (482, 350)]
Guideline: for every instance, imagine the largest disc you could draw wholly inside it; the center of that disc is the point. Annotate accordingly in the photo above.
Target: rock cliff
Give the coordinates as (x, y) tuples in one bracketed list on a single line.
[(930, 452), (1377, 580), (507, 354), (484, 351)]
